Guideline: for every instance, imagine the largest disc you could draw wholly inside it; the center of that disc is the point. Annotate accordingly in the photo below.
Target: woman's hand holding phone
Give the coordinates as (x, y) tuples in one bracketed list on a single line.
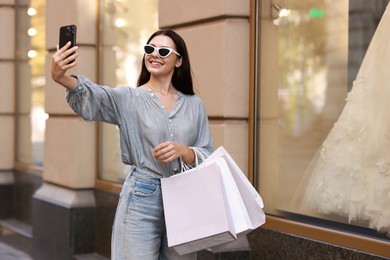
[(61, 62), (65, 57)]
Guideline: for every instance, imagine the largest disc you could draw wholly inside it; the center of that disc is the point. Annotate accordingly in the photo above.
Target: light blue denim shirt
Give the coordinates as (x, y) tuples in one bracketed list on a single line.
[(144, 122)]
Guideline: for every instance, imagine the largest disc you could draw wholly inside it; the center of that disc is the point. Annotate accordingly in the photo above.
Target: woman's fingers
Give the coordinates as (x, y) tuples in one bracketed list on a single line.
[(65, 47), (167, 151), (71, 59), (63, 60), (65, 54), (161, 151), (65, 51)]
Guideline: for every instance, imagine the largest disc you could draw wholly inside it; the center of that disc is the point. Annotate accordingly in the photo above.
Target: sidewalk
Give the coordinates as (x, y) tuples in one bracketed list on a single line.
[(10, 253), (16, 242), (17, 246)]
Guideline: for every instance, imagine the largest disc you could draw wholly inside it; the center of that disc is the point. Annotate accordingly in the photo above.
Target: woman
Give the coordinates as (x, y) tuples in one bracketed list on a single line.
[(162, 126)]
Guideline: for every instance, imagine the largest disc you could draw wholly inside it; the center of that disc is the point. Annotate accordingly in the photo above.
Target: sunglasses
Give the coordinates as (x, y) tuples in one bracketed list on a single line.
[(163, 52)]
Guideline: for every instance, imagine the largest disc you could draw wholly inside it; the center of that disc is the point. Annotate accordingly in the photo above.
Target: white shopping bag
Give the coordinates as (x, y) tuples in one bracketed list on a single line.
[(197, 211), (252, 199), (215, 194), (238, 211)]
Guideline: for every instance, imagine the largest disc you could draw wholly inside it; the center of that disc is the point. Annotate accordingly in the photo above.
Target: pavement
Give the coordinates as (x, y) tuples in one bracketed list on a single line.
[(16, 244), (15, 240), (10, 253)]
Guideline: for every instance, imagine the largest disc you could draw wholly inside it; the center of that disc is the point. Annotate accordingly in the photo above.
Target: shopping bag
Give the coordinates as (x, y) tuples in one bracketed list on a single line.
[(197, 209), (242, 211), (252, 199)]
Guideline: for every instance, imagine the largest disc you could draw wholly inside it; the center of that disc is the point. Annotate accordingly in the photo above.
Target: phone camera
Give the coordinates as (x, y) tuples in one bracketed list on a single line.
[(70, 29)]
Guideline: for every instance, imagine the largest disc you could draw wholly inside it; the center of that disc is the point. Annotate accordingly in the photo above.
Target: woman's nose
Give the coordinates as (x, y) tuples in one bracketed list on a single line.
[(155, 53)]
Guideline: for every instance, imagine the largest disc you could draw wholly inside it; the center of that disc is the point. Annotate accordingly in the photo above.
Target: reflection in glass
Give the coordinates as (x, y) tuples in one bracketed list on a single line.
[(311, 47), (125, 27), (30, 80), (320, 46)]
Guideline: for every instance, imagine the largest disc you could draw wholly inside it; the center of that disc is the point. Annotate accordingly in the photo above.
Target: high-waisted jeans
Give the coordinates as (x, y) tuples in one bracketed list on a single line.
[(139, 227)]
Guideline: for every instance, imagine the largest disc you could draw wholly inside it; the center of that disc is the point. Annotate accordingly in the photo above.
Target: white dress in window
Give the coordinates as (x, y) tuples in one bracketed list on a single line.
[(350, 174)]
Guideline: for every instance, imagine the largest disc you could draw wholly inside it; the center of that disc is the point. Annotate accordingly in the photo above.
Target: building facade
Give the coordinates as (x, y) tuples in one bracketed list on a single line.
[(59, 186)]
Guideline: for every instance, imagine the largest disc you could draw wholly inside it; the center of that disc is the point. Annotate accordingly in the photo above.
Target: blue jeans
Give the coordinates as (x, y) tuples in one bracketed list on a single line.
[(139, 227)]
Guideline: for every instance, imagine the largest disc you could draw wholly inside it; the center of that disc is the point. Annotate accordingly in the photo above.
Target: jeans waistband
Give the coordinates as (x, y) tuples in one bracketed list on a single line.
[(137, 173)]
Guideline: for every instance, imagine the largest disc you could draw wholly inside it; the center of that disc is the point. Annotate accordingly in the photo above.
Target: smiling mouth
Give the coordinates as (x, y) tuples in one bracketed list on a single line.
[(155, 63)]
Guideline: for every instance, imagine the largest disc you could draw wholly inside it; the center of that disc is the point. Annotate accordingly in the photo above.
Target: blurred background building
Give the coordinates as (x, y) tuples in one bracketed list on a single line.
[(274, 76)]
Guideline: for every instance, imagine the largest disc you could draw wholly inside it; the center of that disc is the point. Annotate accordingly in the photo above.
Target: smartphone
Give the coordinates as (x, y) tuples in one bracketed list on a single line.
[(68, 34)]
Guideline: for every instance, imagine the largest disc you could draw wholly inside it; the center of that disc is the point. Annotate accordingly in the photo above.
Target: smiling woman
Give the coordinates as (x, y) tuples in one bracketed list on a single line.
[(158, 135), (157, 66)]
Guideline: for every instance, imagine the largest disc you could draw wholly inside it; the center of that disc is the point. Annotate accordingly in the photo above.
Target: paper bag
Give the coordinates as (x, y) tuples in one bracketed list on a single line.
[(215, 193), (252, 199), (196, 209)]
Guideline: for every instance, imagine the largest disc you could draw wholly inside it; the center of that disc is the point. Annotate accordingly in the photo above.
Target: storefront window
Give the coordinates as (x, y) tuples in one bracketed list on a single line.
[(311, 54), (125, 27), (30, 80)]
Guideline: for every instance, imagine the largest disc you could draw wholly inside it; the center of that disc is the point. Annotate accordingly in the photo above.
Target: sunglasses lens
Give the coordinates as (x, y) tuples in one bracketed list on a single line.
[(149, 49), (164, 52)]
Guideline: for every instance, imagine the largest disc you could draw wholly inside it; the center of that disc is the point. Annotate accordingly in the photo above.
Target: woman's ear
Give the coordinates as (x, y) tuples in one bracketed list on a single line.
[(179, 62)]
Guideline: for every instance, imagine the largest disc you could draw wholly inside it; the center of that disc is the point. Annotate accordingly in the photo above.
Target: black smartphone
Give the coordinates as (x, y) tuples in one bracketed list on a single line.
[(68, 34)]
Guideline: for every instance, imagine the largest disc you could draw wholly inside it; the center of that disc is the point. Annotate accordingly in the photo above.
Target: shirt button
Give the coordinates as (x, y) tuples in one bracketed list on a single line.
[(152, 94), (162, 106), (171, 134), (175, 169)]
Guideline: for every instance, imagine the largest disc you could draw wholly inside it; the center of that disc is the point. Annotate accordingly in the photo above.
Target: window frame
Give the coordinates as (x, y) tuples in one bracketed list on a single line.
[(276, 223)]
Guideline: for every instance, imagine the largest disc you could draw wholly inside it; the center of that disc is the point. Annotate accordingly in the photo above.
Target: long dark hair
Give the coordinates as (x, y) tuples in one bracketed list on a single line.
[(181, 79)]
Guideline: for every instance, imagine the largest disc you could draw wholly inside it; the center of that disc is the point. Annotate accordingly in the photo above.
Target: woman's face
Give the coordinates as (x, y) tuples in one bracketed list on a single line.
[(158, 66)]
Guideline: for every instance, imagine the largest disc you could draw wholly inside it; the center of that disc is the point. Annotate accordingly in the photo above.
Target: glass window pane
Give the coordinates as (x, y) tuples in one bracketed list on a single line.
[(30, 80), (319, 47), (125, 28)]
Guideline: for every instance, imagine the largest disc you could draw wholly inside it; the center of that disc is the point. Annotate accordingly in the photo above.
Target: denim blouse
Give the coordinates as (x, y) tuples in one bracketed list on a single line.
[(144, 122)]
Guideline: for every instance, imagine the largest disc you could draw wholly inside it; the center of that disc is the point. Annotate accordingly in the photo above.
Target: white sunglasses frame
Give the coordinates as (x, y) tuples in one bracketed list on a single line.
[(157, 49)]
